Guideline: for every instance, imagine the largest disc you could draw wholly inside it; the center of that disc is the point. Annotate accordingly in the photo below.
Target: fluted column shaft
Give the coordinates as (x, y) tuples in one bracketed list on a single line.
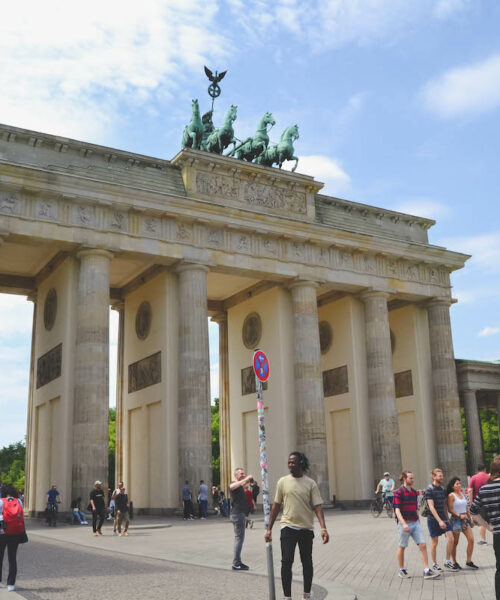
[(473, 426), (224, 411), (29, 484), (308, 383), (91, 397), (381, 393), (449, 437), (120, 309), (195, 436)]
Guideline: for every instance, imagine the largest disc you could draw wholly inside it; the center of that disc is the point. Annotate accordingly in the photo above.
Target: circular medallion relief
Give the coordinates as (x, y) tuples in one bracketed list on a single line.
[(50, 309), (143, 320), (325, 336), (252, 331)]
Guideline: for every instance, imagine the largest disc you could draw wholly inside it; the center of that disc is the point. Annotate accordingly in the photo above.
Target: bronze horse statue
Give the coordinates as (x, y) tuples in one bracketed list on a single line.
[(281, 151), (220, 138), (193, 133), (253, 146)]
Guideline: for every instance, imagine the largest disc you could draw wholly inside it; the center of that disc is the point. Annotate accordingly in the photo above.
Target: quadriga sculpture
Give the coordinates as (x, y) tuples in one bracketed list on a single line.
[(193, 133), (282, 151), (220, 138), (253, 146)]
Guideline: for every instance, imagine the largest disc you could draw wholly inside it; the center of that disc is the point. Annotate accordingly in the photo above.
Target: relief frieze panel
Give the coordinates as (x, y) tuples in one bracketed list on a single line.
[(84, 215), (117, 221), (258, 194), (10, 204), (144, 373), (47, 210), (217, 186), (48, 366)]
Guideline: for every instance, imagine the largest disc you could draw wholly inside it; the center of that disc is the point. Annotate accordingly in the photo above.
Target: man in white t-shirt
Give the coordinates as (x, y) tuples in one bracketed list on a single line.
[(387, 486), (300, 497)]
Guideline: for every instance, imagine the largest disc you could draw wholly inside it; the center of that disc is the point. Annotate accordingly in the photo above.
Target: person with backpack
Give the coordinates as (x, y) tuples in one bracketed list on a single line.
[(405, 506), (12, 531)]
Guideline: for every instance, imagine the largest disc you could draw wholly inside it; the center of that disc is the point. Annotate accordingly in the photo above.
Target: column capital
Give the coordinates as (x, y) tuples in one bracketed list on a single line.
[(188, 266), (85, 252), (368, 294), (33, 297), (118, 305), (296, 283), (220, 317), (439, 302)]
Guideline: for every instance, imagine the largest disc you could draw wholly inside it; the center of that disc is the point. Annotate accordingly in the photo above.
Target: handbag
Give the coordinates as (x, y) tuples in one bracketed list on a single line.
[(424, 508)]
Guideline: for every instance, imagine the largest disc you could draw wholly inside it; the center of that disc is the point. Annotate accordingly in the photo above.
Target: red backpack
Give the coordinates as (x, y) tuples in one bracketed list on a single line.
[(13, 517)]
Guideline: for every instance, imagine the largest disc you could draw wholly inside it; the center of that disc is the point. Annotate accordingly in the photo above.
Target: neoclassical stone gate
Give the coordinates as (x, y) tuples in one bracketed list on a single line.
[(274, 263)]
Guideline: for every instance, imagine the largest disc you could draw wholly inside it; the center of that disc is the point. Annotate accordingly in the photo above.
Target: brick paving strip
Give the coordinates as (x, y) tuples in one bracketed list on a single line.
[(359, 562)]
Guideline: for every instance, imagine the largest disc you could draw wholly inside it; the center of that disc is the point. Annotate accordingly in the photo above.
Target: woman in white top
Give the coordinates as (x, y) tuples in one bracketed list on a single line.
[(460, 520)]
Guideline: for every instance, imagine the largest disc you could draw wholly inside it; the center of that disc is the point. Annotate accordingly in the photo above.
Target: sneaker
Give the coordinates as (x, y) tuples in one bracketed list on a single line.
[(240, 567), (451, 566), (403, 573), (471, 565), (120, 534), (95, 534), (125, 533), (482, 542), (457, 566), (436, 567), (99, 532), (430, 574), (11, 588)]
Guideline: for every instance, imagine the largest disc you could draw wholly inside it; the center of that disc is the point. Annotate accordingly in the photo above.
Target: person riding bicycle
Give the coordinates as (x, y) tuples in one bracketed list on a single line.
[(53, 499), (386, 485)]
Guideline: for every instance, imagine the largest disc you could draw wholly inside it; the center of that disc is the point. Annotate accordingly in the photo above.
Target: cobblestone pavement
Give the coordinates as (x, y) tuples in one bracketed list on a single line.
[(359, 562)]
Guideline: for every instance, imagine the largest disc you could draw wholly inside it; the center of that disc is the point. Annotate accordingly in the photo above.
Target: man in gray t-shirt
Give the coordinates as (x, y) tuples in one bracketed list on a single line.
[(203, 499)]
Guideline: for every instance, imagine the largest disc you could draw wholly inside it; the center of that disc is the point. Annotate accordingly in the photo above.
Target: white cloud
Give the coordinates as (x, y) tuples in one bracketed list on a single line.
[(324, 169), (422, 207), (65, 69), (325, 24), (484, 248), (465, 90), (487, 331)]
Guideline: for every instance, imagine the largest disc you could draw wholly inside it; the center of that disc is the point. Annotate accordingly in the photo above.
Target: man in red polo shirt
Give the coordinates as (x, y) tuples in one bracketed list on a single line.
[(476, 482), (405, 506)]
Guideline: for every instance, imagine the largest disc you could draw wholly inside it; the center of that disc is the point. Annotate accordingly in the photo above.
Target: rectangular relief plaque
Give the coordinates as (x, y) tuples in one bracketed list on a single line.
[(248, 382), (48, 366), (335, 381), (144, 372), (403, 383)]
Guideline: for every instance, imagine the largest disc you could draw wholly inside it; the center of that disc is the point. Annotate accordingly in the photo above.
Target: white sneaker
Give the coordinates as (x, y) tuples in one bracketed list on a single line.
[(11, 588)]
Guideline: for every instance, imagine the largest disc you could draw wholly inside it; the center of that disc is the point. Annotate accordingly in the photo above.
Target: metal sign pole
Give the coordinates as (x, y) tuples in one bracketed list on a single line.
[(265, 485)]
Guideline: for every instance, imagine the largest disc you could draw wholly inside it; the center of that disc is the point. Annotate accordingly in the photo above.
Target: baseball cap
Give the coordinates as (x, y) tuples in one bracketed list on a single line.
[(98, 482), (386, 473)]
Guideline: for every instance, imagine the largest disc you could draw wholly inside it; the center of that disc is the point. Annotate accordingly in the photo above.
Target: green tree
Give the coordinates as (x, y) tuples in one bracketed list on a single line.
[(215, 443), (12, 460), (112, 447)]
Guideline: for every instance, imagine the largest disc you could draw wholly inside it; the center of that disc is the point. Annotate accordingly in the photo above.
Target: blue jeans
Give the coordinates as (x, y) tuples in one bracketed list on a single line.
[(79, 516), (204, 508), (239, 522)]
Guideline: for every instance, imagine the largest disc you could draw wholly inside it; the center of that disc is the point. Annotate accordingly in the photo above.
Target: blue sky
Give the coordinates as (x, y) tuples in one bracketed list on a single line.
[(397, 102)]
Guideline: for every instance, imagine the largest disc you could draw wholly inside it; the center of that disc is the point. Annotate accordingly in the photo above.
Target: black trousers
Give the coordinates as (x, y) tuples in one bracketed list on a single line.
[(188, 509), (96, 514), (289, 539), (496, 547), (11, 543)]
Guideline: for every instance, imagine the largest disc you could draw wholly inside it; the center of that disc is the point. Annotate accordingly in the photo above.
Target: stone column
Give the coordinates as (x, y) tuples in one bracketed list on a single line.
[(381, 394), (195, 436), (498, 419), (473, 426), (224, 414), (29, 485), (120, 309), (91, 396), (308, 383), (448, 423)]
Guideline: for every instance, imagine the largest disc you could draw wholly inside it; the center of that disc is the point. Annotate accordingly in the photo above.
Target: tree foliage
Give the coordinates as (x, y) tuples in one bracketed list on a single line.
[(489, 432), (12, 460), (112, 447), (215, 443)]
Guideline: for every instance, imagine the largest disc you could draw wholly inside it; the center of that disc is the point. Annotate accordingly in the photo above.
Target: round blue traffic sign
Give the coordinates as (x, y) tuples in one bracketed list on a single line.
[(261, 365)]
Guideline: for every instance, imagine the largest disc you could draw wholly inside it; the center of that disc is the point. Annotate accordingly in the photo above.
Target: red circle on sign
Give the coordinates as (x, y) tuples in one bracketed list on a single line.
[(261, 365)]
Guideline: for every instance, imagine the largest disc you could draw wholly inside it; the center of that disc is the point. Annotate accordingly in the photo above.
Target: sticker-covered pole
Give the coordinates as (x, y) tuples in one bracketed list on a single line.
[(262, 368)]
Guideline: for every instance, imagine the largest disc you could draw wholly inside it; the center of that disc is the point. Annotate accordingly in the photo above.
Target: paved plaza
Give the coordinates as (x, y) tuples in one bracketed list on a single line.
[(170, 558)]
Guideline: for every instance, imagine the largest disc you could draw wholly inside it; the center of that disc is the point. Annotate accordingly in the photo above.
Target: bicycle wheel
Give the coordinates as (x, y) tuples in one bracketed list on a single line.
[(375, 509), (389, 509)]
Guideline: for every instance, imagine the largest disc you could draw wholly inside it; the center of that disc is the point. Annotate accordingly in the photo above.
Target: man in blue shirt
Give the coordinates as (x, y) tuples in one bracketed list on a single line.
[(203, 496), (53, 499), (187, 501)]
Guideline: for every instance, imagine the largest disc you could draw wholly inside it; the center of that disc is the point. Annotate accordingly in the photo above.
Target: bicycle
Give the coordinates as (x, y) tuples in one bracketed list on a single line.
[(380, 504)]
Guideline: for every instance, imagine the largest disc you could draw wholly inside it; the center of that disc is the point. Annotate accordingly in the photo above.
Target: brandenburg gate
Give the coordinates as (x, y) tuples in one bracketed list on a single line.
[(350, 302)]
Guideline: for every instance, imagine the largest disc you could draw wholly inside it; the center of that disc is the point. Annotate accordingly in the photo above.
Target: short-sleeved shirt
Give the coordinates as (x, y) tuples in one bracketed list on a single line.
[(239, 500), (386, 486), (406, 500), (438, 495), (203, 491), (186, 493), (298, 495), (98, 497), (52, 494), (477, 481)]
